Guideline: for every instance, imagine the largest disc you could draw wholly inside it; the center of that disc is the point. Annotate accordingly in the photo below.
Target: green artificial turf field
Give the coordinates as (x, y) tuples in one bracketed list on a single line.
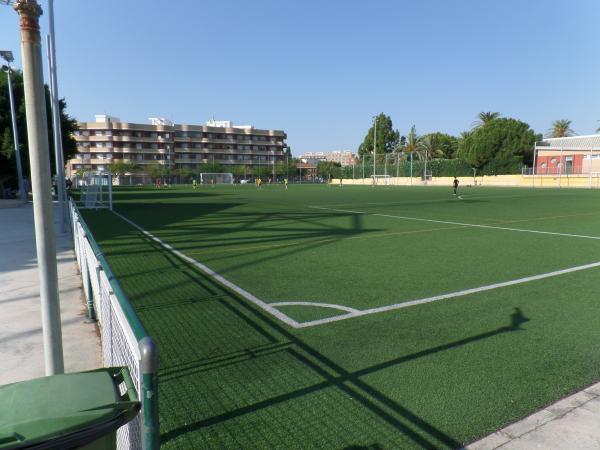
[(267, 367)]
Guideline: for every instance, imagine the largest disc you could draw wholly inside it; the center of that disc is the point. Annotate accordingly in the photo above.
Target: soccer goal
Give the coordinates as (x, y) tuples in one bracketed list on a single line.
[(216, 178), (381, 179), (96, 190)]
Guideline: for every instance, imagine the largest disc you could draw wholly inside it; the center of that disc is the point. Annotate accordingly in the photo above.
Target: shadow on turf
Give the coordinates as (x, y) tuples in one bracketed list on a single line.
[(332, 374)]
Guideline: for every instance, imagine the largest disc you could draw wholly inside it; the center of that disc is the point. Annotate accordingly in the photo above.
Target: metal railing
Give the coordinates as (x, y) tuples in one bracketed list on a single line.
[(125, 342)]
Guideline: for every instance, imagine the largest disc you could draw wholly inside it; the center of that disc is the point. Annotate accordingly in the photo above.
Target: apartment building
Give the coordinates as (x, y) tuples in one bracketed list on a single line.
[(108, 139), (344, 158)]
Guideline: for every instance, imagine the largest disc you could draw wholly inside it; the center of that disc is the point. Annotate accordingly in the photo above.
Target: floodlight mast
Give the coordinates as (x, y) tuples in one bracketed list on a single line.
[(374, 149), (7, 55), (58, 147)]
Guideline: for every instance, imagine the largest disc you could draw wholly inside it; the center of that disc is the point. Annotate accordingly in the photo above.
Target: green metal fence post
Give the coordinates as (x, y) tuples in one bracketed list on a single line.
[(149, 394)]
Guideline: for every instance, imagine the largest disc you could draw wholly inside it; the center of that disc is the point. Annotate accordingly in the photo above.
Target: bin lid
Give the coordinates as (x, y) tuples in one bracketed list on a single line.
[(44, 408)]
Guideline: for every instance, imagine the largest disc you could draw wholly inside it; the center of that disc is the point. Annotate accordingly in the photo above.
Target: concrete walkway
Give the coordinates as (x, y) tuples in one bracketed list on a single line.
[(21, 349), (571, 423)]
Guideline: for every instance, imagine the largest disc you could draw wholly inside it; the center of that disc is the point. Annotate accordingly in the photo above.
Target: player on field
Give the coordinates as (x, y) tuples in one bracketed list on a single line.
[(158, 183), (285, 182), (194, 184), (455, 184)]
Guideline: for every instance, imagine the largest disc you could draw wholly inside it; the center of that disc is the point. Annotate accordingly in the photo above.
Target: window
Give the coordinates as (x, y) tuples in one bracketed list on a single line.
[(98, 133), (99, 144), (154, 134), (85, 133), (109, 145), (553, 161), (138, 146), (108, 133), (154, 146)]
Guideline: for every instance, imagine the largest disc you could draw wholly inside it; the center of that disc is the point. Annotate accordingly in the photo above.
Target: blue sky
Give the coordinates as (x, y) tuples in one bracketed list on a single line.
[(321, 69)]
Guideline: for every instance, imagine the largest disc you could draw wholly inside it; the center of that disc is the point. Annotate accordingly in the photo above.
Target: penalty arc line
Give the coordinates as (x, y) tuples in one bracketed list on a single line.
[(352, 312), (436, 298), (247, 295)]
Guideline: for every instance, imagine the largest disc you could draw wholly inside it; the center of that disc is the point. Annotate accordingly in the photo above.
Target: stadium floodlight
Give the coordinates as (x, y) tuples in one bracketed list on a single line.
[(7, 55)]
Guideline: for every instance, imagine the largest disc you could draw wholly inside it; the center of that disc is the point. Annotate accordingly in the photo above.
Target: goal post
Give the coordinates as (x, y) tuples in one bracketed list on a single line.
[(216, 178), (96, 190), (381, 179)]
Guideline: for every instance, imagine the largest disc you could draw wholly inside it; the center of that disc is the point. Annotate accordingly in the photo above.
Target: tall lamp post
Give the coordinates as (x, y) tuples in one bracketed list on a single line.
[(8, 57), (375, 150)]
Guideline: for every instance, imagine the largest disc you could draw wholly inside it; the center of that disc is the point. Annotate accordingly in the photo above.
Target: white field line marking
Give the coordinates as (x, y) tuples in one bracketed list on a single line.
[(474, 225), (351, 311), (247, 295), (320, 305), (436, 298)]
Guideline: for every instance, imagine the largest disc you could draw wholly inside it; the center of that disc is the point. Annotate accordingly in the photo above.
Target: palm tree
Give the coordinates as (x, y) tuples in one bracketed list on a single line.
[(412, 141), (431, 147), (560, 128), (485, 117), (598, 129)]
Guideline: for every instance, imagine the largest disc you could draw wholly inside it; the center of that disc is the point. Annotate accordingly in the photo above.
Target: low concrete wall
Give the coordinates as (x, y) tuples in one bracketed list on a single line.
[(550, 181)]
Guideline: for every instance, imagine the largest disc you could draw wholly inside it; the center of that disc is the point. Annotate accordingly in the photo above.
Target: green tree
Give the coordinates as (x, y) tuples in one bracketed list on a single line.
[(561, 128), (485, 117), (185, 173), (446, 145), (120, 167), (329, 169), (157, 170), (503, 146), (387, 137), (8, 165), (413, 141), (430, 148)]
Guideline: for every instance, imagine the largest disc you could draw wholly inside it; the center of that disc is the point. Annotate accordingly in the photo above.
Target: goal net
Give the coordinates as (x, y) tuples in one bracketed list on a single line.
[(381, 179), (96, 190), (216, 178)]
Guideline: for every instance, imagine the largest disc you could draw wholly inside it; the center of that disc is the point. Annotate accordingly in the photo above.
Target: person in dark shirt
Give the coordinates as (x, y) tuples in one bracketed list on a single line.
[(455, 184)]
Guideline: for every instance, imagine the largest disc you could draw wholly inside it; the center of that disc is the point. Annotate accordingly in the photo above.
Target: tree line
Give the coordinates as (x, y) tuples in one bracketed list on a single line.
[(493, 145)]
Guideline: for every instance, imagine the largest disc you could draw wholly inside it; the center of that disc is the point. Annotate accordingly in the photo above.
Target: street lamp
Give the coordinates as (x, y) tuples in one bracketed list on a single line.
[(374, 149), (8, 57)]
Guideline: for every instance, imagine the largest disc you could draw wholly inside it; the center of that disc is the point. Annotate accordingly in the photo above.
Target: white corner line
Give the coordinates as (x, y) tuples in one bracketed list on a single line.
[(352, 312), (319, 305), (462, 293), (247, 295)]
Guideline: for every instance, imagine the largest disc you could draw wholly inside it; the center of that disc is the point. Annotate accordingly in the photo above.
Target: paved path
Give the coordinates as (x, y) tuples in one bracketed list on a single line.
[(21, 348), (571, 423)]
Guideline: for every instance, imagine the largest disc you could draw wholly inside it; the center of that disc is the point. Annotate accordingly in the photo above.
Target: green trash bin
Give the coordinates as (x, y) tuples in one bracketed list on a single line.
[(74, 410)]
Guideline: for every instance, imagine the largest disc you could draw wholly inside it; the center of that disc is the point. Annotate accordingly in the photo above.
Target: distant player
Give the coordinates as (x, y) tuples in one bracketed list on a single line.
[(158, 183), (285, 182), (455, 184), (340, 181), (194, 184), (165, 183), (259, 183)]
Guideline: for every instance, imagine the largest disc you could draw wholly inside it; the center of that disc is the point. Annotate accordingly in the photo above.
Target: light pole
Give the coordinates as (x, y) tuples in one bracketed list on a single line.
[(273, 153), (37, 133), (58, 149), (8, 57), (374, 149)]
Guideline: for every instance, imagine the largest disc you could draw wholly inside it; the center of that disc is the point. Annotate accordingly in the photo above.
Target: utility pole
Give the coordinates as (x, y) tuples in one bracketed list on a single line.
[(58, 148), (33, 82), (8, 57), (375, 151)]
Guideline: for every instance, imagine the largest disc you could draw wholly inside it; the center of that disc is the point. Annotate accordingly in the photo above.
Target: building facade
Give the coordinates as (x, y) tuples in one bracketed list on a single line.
[(194, 147), (568, 156), (343, 157)]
